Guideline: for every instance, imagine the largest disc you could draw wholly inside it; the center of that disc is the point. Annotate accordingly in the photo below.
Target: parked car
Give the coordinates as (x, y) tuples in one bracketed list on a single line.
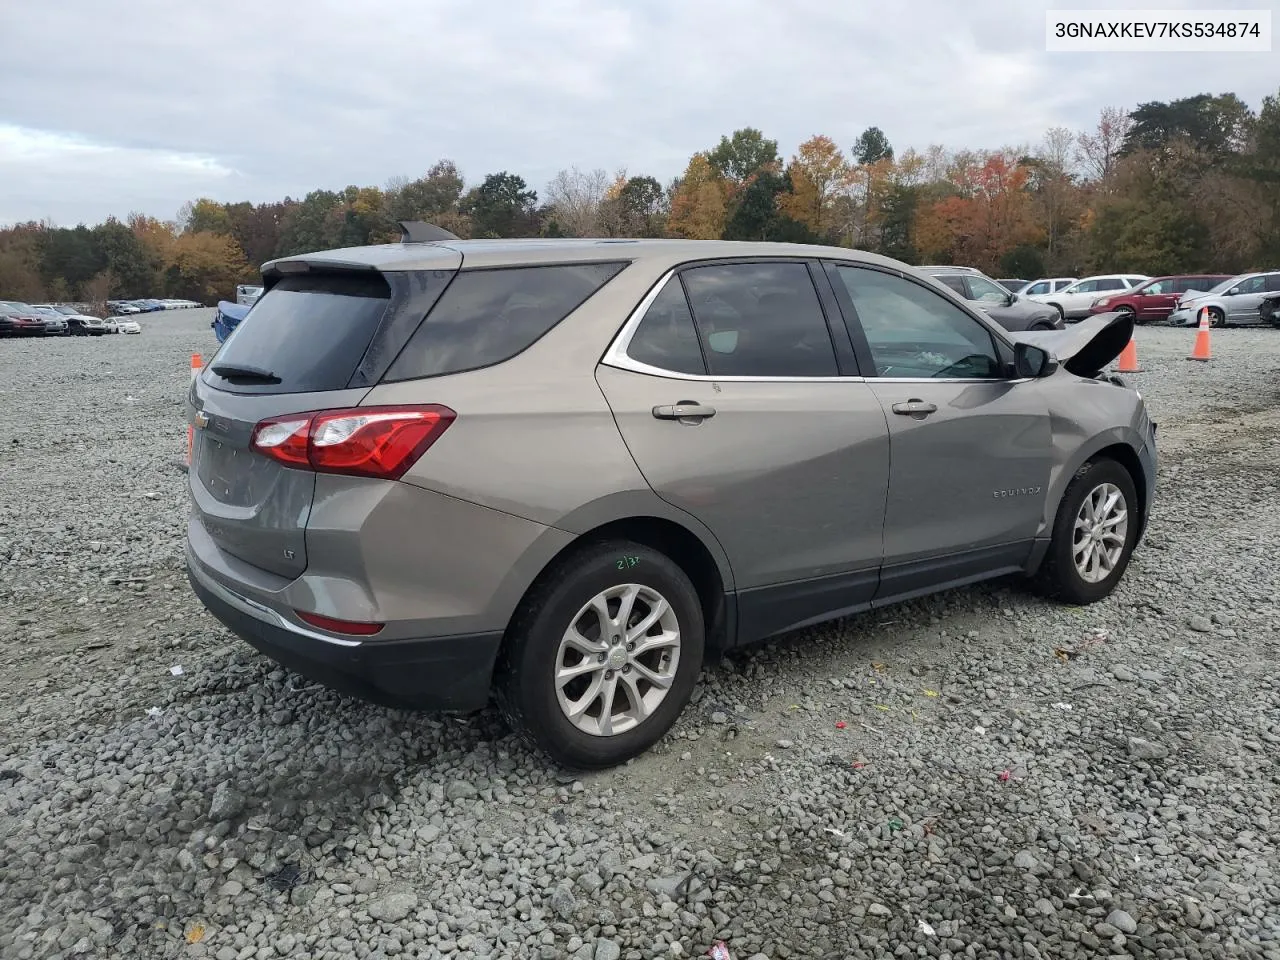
[(562, 468), (121, 308), (1006, 308), (1046, 285), (19, 320), (1013, 286), (1269, 309), (1153, 301), (1074, 301), (83, 326), (109, 325), (247, 293), (1236, 301), (227, 318), (124, 325), (55, 324)]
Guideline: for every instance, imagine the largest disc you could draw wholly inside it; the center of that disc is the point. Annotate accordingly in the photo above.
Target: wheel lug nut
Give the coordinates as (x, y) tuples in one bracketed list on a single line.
[(631, 646), (601, 658), (626, 668), (608, 674)]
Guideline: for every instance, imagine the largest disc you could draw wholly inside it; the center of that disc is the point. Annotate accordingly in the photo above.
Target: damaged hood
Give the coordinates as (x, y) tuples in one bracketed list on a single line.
[(1084, 348)]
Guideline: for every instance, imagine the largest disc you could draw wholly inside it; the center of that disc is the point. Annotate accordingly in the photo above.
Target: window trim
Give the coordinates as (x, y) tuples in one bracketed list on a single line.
[(863, 347), (616, 355)]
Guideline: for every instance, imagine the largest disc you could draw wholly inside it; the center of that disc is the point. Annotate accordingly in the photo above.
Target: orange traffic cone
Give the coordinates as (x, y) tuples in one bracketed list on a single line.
[(1201, 350), (1129, 358), (196, 366)]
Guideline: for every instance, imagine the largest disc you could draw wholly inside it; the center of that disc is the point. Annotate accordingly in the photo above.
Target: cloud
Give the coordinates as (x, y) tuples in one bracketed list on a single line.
[(152, 103)]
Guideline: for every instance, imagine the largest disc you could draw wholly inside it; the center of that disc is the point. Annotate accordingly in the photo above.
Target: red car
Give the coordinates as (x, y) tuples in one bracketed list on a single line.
[(15, 322), (1154, 300)]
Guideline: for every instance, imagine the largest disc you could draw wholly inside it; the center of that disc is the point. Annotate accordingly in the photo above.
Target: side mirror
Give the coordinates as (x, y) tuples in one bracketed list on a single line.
[(1010, 299), (1233, 292), (1032, 362)]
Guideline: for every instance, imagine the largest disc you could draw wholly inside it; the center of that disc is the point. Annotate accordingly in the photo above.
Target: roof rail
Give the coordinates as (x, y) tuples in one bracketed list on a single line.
[(415, 231)]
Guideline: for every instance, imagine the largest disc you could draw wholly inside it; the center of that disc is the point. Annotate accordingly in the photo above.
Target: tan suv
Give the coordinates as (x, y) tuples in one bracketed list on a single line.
[(560, 468)]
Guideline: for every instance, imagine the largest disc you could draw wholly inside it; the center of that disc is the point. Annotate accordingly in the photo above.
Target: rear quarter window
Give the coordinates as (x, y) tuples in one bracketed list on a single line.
[(488, 316)]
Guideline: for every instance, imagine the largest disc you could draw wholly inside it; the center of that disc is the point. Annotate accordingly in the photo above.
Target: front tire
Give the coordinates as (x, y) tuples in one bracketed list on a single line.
[(1093, 535), (1217, 318), (603, 655)]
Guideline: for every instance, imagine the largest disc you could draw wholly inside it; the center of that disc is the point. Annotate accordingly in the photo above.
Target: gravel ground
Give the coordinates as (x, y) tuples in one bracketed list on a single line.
[(977, 774)]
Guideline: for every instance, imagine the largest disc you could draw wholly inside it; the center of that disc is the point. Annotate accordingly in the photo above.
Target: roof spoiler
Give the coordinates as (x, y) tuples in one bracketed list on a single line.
[(415, 231)]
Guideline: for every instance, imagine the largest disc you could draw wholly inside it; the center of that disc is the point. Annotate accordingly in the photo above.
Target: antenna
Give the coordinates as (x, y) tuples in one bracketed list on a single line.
[(415, 231)]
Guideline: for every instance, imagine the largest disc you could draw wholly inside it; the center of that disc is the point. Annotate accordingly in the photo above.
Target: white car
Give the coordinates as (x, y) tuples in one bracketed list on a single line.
[(109, 324), (1045, 285), (1074, 301), (127, 326)]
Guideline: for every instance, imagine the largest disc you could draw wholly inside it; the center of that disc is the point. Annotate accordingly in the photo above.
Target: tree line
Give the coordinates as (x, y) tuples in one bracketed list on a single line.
[(1190, 185)]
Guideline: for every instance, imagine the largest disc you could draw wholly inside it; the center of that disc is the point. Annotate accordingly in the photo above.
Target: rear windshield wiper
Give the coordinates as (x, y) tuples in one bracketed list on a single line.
[(233, 372)]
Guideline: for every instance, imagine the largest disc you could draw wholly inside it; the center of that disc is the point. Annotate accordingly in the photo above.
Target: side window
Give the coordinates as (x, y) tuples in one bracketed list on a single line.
[(1272, 282), (1037, 288), (984, 291), (956, 284), (1086, 286), (760, 320), (1112, 284), (1182, 285), (914, 332), (1157, 288), (1061, 285), (488, 316), (665, 337), (1253, 285)]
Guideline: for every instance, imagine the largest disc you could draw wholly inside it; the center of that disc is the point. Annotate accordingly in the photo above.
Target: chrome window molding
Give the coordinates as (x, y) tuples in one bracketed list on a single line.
[(616, 356)]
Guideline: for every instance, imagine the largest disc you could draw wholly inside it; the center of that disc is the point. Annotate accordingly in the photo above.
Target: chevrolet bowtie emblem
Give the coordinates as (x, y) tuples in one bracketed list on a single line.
[(202, 420)]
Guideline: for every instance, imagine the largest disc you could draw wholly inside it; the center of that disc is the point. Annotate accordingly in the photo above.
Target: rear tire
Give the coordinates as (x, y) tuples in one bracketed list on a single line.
[(1094, 534), (1061, 313), (600, 663)]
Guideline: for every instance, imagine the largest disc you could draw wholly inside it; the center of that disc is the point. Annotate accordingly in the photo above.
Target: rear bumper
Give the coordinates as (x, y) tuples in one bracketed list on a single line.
[(450, 674)]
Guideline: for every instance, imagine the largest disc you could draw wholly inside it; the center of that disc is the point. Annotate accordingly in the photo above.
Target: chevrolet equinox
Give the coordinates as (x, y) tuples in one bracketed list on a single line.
[(557, 471)]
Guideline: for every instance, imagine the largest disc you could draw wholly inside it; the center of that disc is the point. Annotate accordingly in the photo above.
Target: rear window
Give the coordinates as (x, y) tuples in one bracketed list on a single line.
[(488, 316), (310, 332)]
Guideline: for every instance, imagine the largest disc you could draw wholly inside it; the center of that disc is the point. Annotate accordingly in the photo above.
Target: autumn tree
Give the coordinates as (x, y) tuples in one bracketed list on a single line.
[(204, 266), (818, 172), (205, 215), (20, 271), (698, 204), (303, 228), (1099, 149), (432, 198), (97, 290)]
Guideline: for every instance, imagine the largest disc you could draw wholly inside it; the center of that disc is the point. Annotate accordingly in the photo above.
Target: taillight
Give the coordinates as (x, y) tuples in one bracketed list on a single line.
[(352, 628), (380, 442)]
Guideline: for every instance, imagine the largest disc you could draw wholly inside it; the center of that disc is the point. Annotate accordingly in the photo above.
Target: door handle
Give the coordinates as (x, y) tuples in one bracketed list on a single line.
[(915, 408), (685, 410)]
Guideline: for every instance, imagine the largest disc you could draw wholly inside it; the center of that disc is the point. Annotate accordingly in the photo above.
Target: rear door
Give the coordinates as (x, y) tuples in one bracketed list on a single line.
[(305, 346), (970, 448), (740, 409), (1242, 306)]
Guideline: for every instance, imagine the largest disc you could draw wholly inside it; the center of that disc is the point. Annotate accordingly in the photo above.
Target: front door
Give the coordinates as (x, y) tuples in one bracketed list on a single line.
[(1155, 301), (738, 413), (970, 448)]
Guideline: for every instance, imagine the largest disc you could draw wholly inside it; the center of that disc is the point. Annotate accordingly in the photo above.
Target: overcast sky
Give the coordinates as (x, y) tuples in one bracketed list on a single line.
[(109, 107)]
